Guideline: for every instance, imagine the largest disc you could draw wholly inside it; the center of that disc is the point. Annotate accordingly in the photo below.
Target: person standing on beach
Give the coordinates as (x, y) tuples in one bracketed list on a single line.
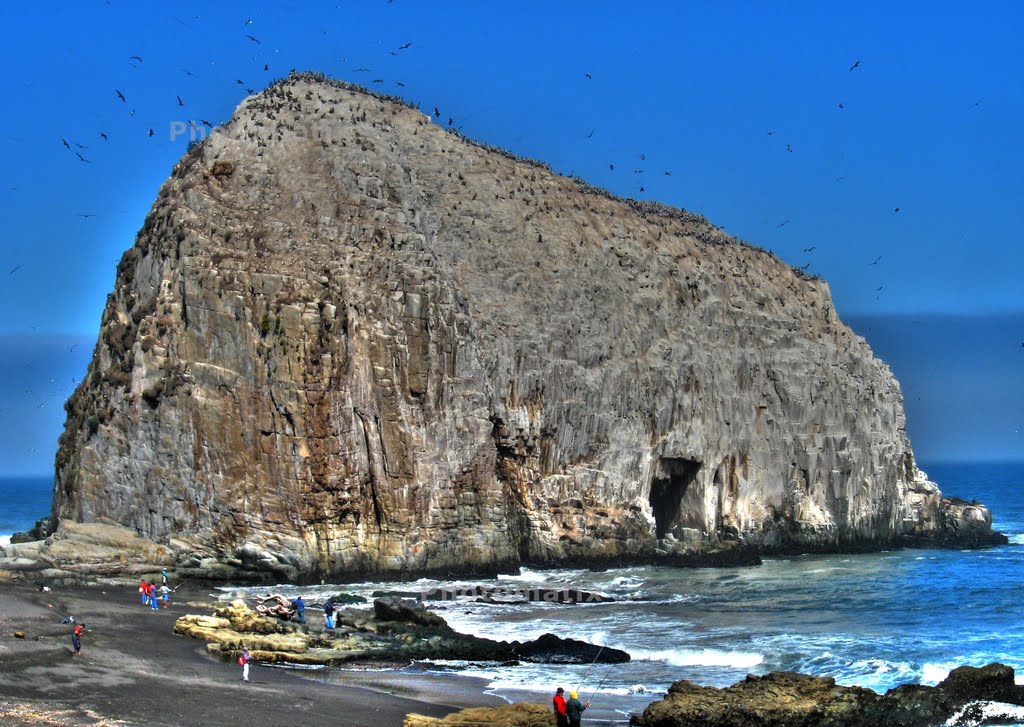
[(329, 614), (143, 592), (244, 660), (300, 609), (164, 577), (165, 594), (153, 601), (76, 639), (574, 709), (559, 705)]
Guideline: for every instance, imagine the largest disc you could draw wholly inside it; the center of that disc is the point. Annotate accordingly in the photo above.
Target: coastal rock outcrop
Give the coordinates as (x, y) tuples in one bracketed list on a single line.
[(395, 631), (783, 699), (348, 341)]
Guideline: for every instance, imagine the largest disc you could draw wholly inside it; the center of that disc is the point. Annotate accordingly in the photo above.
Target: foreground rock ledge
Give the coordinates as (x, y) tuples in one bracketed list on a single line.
[(788, 699), (394, 632)]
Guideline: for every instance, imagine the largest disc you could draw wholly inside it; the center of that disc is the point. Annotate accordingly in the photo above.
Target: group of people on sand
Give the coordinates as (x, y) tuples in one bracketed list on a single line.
[(152, 596), (568, 713)]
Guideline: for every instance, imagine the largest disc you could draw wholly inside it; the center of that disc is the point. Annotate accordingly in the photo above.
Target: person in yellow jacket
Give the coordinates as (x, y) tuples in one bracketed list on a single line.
[(574, 709)]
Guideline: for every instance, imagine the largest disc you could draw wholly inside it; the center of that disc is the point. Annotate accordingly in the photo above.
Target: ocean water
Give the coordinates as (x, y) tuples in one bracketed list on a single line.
[(23, 501), (873, 620)]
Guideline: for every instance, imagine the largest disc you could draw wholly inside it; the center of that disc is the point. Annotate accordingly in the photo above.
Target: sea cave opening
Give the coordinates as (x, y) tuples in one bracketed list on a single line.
[(672, 477)]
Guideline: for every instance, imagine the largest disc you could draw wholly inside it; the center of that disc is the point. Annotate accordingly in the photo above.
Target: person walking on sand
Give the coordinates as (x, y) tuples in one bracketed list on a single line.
[(244, 660), (329, 614), (558, 701), (76, 639), (574, 709)]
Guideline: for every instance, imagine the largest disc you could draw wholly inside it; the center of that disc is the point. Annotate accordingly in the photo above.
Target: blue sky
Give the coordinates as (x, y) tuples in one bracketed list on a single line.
[(748, 113)]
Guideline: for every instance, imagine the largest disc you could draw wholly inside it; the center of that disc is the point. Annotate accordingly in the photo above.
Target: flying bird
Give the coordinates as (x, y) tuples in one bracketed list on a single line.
[(403, 47), (378, 80), (266, 66), (15, 269), (812, 248), (135, 58), (120, 96), (65, 143), (399, 83), (611, 167), (361, 69), (104, 136), (247, 22), (254, 40), (79, 155), (789, 148), (591, 134), (151, 132), (86, 216), (239, 82), (180, 102), (83, 146), (854, 65), (842, 105), (588, 76), (437, 113), (204, 122), (896, 210), (876, 260)]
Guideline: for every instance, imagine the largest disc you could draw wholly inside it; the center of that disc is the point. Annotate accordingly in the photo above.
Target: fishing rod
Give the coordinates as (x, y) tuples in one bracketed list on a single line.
[(601, 684), (590, 667)]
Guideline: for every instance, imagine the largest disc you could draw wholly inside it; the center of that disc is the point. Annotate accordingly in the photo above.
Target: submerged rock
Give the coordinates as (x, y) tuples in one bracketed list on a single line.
[(347, 341), (788, 699)]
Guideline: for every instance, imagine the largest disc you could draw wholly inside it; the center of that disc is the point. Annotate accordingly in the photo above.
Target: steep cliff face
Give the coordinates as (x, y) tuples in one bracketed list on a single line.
[(349, 340)]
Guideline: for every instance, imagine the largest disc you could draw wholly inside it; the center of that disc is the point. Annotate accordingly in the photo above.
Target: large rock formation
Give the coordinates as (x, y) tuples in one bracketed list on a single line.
[(347, 340)]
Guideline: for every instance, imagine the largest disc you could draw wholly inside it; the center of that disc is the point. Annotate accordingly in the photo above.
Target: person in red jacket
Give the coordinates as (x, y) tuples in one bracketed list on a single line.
[(76, 639), (561, 719)]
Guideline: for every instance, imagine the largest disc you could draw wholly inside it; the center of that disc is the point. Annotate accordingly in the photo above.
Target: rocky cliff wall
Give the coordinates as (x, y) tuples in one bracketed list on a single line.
[(347, 340)]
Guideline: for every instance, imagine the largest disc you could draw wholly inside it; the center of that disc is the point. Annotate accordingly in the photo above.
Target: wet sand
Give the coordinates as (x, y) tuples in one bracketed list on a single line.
[(134, 670)]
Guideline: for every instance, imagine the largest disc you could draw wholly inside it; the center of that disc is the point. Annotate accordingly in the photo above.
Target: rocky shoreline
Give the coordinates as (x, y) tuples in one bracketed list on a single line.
[(136, 660), (395, 631)]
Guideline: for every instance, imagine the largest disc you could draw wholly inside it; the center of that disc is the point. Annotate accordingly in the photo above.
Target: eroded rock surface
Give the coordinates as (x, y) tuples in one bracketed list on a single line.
[(394, 632), (785, 699), (348, 341)]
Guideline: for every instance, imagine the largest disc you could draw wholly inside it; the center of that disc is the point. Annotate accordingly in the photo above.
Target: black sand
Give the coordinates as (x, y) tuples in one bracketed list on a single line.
[(135, 671)]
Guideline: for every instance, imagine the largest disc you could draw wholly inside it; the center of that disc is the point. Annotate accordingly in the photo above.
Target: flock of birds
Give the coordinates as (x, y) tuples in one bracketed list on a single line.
[(121, 97)]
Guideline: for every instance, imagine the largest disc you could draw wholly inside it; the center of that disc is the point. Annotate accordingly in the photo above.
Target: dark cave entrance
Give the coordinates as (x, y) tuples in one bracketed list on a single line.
[(672, 478)]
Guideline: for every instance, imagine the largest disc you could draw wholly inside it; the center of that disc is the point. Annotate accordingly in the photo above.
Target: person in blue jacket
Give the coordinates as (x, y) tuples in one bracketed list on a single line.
[(300, 609)]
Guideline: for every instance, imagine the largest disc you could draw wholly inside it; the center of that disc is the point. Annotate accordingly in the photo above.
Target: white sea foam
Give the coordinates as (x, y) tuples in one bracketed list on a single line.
[(700, 657), (932, 674), (5, 540), (978, 713), (1017, 538)]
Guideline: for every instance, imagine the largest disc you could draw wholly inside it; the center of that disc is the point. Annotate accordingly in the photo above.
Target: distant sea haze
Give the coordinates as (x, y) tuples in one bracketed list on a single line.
[(23, 501)]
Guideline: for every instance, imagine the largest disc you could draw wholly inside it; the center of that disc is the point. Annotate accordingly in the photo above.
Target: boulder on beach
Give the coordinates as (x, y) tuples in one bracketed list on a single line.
[(788, 699)]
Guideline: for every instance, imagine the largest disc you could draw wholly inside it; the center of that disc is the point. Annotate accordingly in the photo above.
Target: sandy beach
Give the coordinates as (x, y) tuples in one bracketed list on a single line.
[(134, 670)]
